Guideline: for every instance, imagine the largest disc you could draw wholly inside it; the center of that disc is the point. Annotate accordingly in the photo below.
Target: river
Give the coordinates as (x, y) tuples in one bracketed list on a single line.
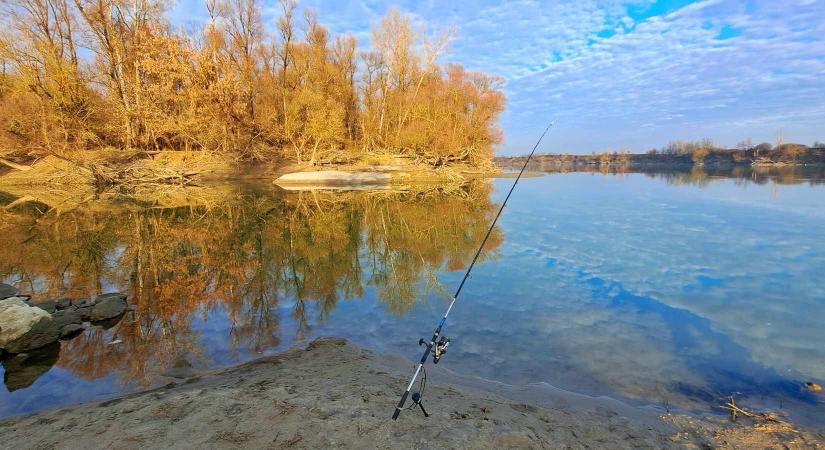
[(677, 289)]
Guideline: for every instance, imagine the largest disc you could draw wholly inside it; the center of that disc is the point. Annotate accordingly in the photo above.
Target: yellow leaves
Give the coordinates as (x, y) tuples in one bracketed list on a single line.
[(243, 254), (233, 87), (700, 154)]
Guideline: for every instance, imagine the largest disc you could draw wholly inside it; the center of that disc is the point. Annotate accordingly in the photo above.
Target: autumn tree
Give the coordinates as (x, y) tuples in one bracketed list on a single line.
[(316, 103), (793, 150), (699, 155), (47, 98), (232, 86), (764, 148)]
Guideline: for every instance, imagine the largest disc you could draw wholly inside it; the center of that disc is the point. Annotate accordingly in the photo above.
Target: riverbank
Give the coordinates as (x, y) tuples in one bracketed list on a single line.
[(334, 394), (84, 172), (717, 159)]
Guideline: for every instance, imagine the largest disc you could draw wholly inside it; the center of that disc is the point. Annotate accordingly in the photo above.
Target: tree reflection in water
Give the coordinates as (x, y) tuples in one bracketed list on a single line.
[(693, 175), (243, 253)]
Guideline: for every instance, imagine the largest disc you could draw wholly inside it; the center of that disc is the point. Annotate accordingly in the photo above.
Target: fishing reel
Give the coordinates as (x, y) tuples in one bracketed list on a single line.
[(439, 348)]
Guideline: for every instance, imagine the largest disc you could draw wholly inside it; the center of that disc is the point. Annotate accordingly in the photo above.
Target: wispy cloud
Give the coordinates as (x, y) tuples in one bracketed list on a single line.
[(627, 73), (675, 74)]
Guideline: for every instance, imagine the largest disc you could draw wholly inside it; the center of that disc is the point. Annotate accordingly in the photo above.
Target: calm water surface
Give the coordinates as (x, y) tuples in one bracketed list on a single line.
[(655, 289)]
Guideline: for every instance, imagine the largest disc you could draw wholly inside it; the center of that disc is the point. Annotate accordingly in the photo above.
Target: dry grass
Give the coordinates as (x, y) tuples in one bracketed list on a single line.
[(165, 178), (57, 183), (745, 429)]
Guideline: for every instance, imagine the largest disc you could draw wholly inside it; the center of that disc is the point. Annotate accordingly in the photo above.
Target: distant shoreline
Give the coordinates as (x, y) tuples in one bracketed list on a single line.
[(712, 158)]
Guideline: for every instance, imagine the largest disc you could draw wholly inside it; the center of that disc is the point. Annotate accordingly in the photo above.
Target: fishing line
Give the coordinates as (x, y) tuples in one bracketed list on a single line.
[(436, 346)]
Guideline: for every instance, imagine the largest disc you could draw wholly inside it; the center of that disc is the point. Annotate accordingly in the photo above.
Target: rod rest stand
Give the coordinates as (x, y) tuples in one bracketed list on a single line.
[(416, 398)]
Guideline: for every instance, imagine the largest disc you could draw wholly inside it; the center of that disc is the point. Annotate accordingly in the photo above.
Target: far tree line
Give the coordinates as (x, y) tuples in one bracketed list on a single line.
[(701, 149), (94, 74), (695, 152)]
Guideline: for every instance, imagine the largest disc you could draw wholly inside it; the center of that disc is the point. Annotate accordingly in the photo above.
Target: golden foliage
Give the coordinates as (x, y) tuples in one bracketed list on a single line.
[(245, 253), (235, 87), (700, 154), (793, 150)]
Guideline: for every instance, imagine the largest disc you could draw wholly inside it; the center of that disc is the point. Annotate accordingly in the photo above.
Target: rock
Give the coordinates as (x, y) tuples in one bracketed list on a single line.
[(334, 177), (50, 306), (71, 330), (64, 303), (83, 306), (22, 370), (17, 318), (85, 313), (181, 369), (82, 303), (117, 295), (67, 317), (108, 306), (24, 327), (108, 323), (7, 291)]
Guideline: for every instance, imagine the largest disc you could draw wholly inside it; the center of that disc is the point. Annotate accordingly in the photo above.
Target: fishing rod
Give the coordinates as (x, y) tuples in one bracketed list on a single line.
[(436, 346)]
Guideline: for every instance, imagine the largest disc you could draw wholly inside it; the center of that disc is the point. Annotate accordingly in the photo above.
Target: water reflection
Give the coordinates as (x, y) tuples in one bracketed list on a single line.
[(21, 371), (244, 255), (681, 287), (697, 175)]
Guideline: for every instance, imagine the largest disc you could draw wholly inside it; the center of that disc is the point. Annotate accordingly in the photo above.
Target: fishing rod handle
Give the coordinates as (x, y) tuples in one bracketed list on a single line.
[(400, 405)]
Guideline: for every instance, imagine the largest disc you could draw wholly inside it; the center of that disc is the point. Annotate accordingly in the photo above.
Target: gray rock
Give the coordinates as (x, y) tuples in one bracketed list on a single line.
[(50, 306), (118, 295), (7, 291), (24, 327), (108, 306), (67, 317), (22, 370), (16, 318), (82, 302), (64, 303), (181, 369), (109, 323), (85, 312), (71, 330), (83, 306)]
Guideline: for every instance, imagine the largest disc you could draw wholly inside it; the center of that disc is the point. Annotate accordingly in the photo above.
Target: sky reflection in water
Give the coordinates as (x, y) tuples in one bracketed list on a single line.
[(644, 288)]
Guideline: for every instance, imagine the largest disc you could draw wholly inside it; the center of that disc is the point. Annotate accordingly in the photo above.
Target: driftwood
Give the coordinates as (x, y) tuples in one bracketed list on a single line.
[(736, 410), (14, 165)]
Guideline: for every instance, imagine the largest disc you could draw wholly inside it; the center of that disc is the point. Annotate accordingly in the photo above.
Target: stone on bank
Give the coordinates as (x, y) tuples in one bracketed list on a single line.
[(7, 291), (24, 327)]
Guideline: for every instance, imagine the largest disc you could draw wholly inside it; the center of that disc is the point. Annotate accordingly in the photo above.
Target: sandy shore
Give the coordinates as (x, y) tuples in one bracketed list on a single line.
[(336, 395)]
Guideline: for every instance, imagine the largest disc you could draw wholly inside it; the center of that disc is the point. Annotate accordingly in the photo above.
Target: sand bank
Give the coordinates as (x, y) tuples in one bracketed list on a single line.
[(337, 395)]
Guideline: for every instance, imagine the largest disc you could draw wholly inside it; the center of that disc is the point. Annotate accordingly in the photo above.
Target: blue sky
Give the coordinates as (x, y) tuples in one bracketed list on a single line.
[(618, 74)]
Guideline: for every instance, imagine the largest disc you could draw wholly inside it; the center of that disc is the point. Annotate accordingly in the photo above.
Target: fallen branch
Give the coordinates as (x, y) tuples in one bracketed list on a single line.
[(20, 201), (14, 165), (734, 410)]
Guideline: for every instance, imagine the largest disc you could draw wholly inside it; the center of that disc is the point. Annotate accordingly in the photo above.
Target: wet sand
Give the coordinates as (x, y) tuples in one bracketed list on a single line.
[(337, 395)]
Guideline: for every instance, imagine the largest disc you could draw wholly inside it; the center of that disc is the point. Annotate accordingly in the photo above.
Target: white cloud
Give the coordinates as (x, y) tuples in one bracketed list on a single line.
[(674, 66), (668, 72)]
